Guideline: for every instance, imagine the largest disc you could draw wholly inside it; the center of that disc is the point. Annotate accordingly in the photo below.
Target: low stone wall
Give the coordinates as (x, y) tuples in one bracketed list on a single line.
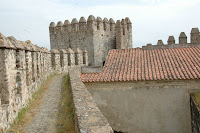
[(150, 46), (194, 41), (195, 115), (88, 118), (23, 68), (91, 69)]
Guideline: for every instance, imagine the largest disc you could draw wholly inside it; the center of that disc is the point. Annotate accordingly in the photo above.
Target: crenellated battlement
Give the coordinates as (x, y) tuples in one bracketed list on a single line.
[(124, 34), (83, 25), (96, 35), (194, 41), (24, 67)]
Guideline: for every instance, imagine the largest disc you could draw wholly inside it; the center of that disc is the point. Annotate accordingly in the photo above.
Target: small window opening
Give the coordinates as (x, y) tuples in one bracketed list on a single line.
[(103, 63)]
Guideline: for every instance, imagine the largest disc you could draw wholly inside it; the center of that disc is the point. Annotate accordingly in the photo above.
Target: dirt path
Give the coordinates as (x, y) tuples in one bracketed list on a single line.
[(45, 118)]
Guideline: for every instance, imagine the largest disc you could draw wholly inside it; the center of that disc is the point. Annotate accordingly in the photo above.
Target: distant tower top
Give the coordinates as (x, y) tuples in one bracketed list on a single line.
[(160, 42), (195, 37), (182, 38), (171, 40)]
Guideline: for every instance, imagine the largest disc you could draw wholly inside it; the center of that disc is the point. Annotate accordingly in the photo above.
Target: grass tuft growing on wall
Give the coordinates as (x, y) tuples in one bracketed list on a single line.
[(65, 120)]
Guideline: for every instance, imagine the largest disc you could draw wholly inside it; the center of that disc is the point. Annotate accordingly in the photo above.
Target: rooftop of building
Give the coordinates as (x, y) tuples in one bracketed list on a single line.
[(137, 64)]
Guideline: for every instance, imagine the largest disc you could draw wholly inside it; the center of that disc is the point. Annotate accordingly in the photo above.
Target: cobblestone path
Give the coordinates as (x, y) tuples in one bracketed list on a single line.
[(44, 120)]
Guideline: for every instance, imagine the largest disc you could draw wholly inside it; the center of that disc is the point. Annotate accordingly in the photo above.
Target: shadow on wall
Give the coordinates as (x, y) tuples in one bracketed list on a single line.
[(119, 132)]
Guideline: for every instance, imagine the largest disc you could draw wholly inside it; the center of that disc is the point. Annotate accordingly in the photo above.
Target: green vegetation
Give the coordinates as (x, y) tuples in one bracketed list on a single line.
[(27, 113), (65, 120), (21, 114)]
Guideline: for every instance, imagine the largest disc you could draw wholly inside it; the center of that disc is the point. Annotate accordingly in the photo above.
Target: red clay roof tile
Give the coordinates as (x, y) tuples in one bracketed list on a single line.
[(137, 64)]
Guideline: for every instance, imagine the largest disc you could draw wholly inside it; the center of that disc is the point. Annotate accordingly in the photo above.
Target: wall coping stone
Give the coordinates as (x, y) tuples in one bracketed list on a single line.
[(170, 46), (88, 117)]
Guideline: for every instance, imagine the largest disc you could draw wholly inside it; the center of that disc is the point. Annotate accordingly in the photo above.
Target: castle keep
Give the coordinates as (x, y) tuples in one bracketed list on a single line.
[(95, 35)]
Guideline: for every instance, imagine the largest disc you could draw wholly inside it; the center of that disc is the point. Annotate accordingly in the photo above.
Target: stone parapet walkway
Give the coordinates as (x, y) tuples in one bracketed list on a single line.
[(46, 113)]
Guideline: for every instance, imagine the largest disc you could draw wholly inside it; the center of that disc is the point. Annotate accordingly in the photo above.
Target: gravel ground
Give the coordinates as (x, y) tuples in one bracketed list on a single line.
[(45, 118)]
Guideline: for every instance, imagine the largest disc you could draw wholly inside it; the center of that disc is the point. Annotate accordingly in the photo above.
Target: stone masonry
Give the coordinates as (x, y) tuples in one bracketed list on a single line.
[(194, 41), (23, 68), (97, 36), (88, 117)]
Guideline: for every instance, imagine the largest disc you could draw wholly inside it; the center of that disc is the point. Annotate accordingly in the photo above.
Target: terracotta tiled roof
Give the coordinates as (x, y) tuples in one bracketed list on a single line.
[(158, 64)]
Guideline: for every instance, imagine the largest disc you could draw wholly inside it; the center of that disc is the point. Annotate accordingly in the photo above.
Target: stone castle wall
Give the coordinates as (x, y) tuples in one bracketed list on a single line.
[(23, 68), (97, 36), (88, 117), (171, 43)]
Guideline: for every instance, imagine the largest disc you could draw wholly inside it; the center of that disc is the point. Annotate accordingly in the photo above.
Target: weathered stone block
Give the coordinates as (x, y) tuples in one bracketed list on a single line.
[(96, 36)]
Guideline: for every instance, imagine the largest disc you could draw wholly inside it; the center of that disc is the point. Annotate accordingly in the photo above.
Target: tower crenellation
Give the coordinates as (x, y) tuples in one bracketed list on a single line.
[(129, 24), (112, 24), (52, 33), (160, 42), (182, 38), (91, 23), (82, 24), (99, 23), (74, 25), (67, 26), (195, 36), (171, 40), (59, 27), (106, 24), (95, 35), (194, 41), (124, 34), (119, 35), (124, 26), (59, 24)]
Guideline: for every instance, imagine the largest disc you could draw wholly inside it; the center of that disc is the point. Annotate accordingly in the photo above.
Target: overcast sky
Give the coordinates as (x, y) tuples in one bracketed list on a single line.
[(151, 19)]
